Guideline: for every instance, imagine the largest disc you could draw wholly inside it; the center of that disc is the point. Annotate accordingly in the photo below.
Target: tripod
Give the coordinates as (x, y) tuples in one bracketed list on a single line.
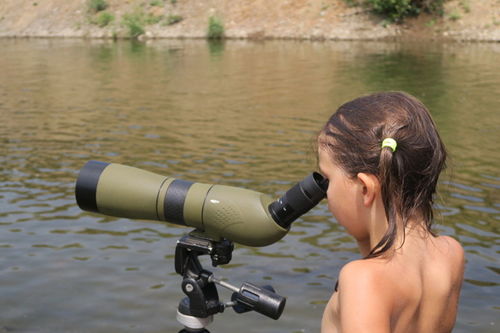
[(196, 310)]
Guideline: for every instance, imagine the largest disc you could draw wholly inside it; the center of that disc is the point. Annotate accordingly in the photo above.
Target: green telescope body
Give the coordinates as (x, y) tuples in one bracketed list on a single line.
[(218, 211)]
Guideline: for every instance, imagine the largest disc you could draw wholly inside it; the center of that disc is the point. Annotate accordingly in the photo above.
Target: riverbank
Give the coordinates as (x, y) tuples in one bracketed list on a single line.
[(463, 20)]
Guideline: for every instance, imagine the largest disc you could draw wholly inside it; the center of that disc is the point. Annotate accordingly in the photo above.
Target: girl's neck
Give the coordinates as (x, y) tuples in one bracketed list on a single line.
[(377, 226), (413, 231)]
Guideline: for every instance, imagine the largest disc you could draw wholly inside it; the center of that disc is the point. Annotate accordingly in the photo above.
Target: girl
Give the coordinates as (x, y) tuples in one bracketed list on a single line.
[(383, 156)]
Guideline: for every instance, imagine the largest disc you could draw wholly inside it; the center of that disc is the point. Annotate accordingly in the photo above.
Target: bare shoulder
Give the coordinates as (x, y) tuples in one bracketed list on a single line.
[(452, 249), (364, 297), (363, 269), (365, 278), (453, 257)]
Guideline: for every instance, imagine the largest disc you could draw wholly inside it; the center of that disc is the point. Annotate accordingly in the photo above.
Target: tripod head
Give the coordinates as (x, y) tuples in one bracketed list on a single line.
[(196, 310)]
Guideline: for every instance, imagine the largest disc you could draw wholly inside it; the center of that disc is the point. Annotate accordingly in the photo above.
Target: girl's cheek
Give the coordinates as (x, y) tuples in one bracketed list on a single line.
[(330, 207), (331, 204), (329, 199)]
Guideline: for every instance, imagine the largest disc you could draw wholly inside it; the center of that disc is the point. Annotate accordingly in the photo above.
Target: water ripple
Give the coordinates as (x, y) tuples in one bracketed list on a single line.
[(246, 115)]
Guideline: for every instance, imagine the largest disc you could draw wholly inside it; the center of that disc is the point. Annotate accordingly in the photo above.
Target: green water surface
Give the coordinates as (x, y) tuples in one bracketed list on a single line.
[(236, 113)]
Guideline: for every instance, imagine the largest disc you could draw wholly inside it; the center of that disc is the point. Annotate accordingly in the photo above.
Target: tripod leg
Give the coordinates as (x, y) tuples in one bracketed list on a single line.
[(192, 324)]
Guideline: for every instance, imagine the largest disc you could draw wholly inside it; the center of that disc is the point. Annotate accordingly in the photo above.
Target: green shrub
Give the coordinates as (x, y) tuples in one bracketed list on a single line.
[(430, 23), (433, 6), (97, 5), (454, 16), (465, 5), (173, 19), (215, 28), (152, 19), (104, 18), (397, 10), (135, 23), (351, 3), (156, 3), (394, 10)]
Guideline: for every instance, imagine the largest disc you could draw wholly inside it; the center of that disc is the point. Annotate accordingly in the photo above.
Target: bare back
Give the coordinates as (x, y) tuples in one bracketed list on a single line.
[(415, 290)]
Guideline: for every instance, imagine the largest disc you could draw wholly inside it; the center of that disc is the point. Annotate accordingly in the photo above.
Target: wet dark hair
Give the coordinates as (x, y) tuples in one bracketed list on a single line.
[(408, 176)]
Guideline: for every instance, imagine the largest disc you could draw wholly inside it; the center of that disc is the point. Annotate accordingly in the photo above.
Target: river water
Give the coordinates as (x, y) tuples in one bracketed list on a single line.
[(237, 113)]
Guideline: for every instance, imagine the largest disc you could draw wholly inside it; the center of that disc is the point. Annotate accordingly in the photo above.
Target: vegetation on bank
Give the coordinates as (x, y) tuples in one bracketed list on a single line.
[(144, 13), (397, 10), (95, 6), (215, 28), (134, 22), (102, 19)]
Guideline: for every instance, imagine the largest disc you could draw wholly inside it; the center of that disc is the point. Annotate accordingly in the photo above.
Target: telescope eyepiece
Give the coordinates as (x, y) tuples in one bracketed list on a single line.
[(299, 199)]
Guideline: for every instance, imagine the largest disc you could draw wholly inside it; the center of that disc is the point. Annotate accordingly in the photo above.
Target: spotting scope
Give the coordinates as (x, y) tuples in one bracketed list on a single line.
[(218, 211)]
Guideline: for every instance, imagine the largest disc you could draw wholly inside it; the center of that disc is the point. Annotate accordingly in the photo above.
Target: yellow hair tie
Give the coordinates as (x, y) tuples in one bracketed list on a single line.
[(391, 143)]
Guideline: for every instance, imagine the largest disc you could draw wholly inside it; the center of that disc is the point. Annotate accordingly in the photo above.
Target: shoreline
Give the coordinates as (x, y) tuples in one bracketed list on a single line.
[(396, 39)]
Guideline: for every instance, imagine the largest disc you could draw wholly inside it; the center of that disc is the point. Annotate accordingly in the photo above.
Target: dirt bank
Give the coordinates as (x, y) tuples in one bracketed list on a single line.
[(469, 20)]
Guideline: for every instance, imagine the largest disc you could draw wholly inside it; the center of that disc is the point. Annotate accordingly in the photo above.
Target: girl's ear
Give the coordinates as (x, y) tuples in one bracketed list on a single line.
[(370, 187)]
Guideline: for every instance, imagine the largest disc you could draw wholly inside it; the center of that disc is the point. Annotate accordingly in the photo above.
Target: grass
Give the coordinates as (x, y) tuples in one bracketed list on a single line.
[(351, 3), (215, 28), (455, 16), (465, 5), (152, 19), (95, 6), (135, 23), (172, 19), (431, 23), (103, 19), (157, 3)]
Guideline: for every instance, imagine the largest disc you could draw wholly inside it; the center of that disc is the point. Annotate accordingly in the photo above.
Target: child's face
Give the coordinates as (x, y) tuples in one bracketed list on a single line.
[(344, 197)]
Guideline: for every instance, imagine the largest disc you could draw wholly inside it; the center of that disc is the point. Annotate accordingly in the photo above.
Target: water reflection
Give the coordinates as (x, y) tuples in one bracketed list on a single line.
[(407, 68), (237, 113), (216, 47)]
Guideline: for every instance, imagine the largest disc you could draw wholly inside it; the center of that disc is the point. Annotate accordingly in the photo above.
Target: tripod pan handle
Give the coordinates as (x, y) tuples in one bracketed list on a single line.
[(260, 299)]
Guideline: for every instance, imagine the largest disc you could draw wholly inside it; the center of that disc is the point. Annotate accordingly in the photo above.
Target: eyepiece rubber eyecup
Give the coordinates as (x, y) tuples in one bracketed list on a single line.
[(299, 199)]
